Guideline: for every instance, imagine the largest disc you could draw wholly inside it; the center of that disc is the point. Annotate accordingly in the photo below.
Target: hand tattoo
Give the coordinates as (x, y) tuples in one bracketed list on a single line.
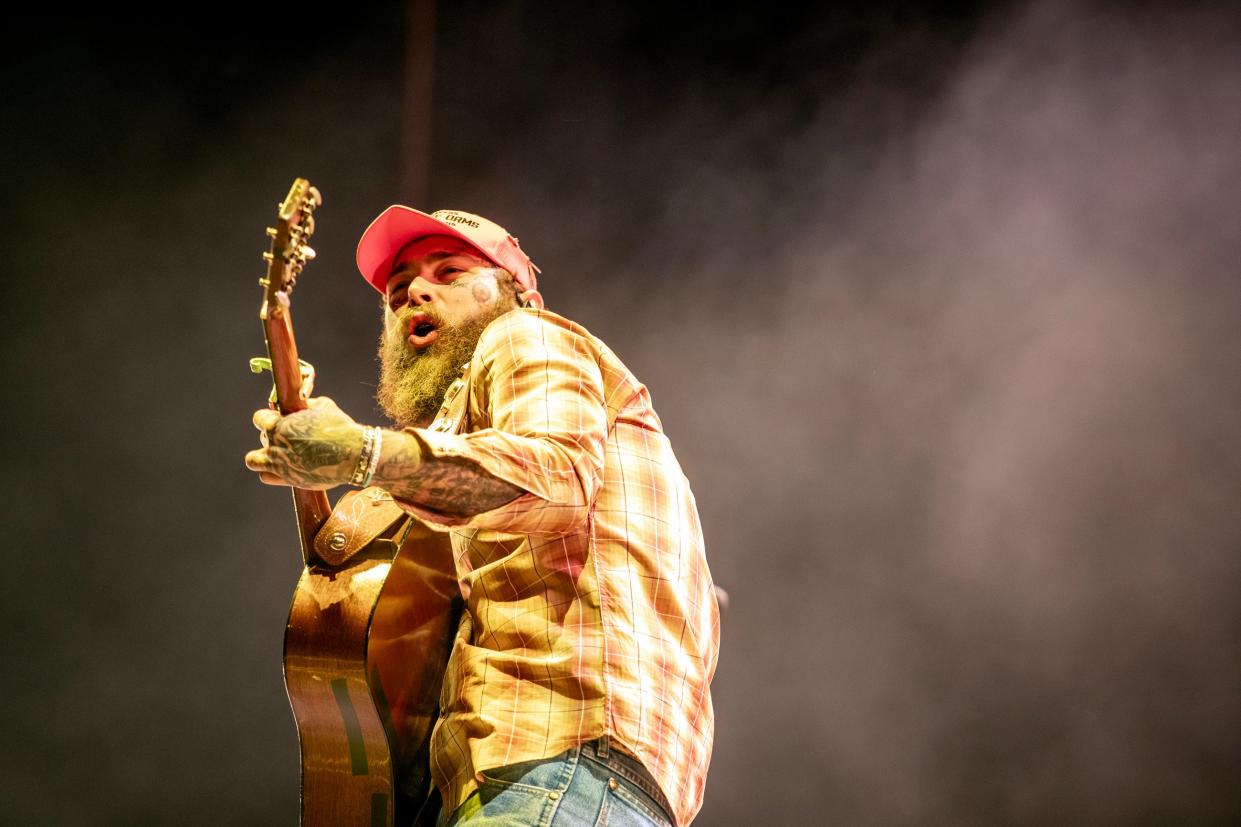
[(315, 448)]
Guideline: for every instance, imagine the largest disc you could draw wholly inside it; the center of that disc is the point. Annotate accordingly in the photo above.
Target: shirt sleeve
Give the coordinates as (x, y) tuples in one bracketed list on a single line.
[(541, 389)]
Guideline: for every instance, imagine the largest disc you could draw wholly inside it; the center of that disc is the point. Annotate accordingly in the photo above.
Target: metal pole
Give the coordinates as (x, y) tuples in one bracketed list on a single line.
[(415, 161)]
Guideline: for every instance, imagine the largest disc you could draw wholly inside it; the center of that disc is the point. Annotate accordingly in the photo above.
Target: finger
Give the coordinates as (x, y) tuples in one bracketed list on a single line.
[(271, 479), (266, 419), (259, 460), (321, 402)]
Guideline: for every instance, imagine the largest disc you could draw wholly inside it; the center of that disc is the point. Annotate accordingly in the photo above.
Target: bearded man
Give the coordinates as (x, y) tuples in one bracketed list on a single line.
[(578, 688)]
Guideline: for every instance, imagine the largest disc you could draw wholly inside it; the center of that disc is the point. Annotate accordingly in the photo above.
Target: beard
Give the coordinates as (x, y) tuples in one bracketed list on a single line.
[(412, 383)]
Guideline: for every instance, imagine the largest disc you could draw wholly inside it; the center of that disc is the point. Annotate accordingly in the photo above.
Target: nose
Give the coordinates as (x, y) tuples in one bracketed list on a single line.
[(414, 293), (417, 293)]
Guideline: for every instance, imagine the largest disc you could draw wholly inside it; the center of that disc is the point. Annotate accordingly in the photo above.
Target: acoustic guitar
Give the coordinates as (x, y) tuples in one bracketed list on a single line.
[(371, 622)]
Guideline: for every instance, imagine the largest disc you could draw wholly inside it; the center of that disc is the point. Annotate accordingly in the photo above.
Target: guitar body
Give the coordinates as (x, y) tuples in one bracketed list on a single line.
[(364, 656)]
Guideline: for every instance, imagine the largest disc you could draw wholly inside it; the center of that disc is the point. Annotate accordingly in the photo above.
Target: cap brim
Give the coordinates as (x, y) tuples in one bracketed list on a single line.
[(396, 227)]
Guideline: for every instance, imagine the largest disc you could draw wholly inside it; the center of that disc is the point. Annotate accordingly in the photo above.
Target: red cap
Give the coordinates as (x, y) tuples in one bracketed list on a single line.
[(397, 226)]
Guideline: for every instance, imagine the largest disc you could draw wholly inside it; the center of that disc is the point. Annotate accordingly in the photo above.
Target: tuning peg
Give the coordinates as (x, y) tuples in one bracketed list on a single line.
[(308, 252), (315, 195), (271, 232), (267, 257)]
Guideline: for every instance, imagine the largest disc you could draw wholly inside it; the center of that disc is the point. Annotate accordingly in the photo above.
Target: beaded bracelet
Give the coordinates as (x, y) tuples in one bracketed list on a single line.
[(368, 459)]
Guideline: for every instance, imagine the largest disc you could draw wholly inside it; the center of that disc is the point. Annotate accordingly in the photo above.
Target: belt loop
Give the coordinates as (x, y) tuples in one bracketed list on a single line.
[(602, 749)]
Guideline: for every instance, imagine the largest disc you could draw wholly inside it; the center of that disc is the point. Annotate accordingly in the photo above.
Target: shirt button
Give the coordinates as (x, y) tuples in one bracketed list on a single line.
[(553, 795)]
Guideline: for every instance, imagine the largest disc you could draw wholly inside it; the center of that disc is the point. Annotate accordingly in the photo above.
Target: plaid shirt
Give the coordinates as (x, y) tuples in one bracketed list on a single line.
[(590, 610)]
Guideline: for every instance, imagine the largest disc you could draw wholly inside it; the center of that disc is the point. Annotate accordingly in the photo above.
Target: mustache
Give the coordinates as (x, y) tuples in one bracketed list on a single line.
[(404, 314)]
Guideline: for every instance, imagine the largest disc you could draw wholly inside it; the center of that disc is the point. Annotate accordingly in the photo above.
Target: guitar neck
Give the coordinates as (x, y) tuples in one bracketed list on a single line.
[(311, 507), (288, 255)]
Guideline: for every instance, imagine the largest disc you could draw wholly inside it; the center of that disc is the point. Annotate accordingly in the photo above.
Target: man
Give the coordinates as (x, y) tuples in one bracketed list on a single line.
[(578, 688)]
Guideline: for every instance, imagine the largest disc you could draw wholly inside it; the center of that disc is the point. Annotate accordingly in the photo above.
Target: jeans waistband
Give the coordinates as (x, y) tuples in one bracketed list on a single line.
[(628, 767)]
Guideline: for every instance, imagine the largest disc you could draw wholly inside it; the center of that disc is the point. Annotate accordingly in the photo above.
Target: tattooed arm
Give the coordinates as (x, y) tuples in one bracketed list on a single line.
[(541, 387), (455, 486), (318, 448)]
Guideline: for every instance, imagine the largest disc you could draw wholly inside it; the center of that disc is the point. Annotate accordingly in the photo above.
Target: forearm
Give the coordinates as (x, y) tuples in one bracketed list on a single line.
[(455, 486)]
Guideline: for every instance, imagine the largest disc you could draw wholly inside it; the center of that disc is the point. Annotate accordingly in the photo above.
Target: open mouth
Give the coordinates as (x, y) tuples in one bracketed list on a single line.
[(422, 330)]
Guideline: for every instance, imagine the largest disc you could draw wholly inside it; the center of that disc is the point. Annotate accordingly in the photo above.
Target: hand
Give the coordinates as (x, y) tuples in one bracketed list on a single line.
[(317, 448)]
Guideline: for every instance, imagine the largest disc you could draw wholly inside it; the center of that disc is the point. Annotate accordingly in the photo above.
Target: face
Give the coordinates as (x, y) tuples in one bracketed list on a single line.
[(440, 296), (440, 277)]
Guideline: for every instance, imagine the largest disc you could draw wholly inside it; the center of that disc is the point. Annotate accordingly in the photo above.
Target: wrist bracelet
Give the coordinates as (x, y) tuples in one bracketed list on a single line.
[(368, 459), (376, 447)]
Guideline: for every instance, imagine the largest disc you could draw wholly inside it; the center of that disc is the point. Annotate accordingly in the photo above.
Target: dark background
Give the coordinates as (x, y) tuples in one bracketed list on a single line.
[(938, 302)]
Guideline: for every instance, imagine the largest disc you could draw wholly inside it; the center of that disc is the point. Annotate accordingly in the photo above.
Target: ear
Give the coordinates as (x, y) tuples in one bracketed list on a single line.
[(531, 298)]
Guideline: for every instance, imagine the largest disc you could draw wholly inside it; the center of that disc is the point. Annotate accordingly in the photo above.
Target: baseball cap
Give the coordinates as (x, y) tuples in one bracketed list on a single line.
[(397, 226)]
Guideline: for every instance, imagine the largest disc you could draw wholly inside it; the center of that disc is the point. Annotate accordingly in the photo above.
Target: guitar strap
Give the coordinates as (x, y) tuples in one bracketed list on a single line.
[(359, 519)]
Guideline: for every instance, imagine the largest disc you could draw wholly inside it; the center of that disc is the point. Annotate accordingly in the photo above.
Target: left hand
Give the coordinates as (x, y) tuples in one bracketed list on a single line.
[(317, 448)]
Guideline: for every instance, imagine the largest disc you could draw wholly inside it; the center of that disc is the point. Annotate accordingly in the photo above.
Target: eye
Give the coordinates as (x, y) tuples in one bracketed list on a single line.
[(396, 292)]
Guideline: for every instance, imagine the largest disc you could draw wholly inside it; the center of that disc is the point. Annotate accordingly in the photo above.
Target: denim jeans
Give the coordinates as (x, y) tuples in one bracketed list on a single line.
[(585, 786)]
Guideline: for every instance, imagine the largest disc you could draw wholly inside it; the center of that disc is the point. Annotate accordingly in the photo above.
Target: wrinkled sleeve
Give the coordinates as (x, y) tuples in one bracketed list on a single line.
[(542, 389)]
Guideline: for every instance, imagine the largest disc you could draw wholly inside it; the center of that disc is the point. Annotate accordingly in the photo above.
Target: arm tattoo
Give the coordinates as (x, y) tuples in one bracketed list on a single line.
[(450, 485)]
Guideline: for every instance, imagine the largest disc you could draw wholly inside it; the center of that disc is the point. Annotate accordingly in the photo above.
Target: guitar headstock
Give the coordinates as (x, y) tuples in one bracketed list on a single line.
[(295, 223)]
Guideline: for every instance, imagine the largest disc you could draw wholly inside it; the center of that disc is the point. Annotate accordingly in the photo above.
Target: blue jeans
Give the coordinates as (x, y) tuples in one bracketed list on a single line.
[(585, 786)]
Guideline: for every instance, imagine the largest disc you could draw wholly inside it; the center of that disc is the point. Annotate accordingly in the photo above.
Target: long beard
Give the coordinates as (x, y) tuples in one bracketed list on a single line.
[(412, 383)]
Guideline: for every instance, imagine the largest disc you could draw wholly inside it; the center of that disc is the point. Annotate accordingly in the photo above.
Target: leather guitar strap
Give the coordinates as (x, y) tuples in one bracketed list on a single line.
[(358, 520)]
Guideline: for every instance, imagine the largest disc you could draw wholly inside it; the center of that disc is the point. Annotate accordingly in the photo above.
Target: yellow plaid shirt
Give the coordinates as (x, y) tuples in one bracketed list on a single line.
[(590, 610)]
